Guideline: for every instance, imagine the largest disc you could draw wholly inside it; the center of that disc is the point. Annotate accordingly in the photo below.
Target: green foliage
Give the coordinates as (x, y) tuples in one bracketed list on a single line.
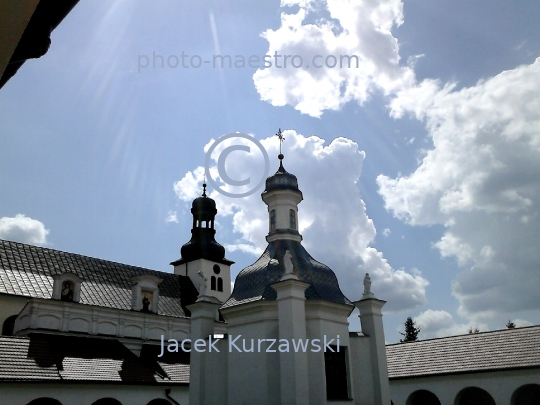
[(476, 330), (411, 331)]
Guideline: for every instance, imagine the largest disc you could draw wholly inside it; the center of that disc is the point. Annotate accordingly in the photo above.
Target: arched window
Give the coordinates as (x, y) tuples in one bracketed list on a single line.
[(526, 395), (159, 402), (423, 397), (272, 220), (213, 283), (474, 396), (107, 401), (9, 325), (292, 219), (45, 401), (220, 284)]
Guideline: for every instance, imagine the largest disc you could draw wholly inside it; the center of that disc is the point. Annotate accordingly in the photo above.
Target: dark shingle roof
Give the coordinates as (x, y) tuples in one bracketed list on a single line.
[(43, 357), (281, 180), (254, 282), (27, 270), (477, 352)]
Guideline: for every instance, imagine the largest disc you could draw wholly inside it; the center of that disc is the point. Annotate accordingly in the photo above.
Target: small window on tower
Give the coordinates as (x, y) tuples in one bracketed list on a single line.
[(220, 284), (213, 283), (272, 220), (292, 219)]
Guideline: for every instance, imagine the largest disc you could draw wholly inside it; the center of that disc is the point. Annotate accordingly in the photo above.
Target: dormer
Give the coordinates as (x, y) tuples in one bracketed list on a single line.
[(67, 287), (145, 293)]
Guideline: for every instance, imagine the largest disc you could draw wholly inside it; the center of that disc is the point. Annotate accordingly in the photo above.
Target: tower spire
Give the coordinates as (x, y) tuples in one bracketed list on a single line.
[(280, 156), (281, 139), (204, 186)]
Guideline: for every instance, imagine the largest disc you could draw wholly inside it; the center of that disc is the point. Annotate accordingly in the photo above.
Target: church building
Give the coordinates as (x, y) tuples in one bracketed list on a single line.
[(84, 331)]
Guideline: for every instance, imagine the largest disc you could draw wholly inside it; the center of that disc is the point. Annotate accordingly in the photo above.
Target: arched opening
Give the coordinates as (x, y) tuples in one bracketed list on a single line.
[(159, 402), (213, 283), (474, 396), (526, 395), (9, 326), (107, 401), (423, 397), (44, 401), (220, 284)]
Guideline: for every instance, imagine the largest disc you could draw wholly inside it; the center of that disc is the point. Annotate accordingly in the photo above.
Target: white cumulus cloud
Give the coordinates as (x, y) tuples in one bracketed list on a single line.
[(481, 180), (23, 229), (334, 30), (171, 217), (332, 216)]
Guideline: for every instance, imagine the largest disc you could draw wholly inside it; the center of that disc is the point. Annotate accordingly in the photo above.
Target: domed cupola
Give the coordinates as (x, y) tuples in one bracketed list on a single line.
[(253, 283), (202, 244), (282, 179)]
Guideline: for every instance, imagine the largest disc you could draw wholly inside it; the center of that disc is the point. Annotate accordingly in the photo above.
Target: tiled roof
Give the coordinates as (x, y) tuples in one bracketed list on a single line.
[(43, 357), (174, 365), (476, 352), (27, 270), (254, 282)]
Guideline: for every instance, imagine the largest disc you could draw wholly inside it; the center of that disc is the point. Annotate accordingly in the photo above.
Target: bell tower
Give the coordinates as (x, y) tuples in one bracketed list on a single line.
[(202, 258)]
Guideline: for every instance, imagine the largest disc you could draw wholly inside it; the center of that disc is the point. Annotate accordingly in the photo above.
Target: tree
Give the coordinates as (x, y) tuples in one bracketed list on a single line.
[(510, 324), (411, 331), (476, 330)]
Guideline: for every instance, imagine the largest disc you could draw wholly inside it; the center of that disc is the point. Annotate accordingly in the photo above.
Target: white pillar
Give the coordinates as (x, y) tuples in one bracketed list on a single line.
[(203, 314), (292, 325), (372, 326)]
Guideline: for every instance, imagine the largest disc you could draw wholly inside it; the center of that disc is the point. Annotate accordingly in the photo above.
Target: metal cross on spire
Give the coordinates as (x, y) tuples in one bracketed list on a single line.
[(204, 186), (281, 139)]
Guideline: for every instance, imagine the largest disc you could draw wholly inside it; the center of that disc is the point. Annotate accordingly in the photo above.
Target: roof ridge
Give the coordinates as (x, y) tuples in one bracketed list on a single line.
[(467, 335)]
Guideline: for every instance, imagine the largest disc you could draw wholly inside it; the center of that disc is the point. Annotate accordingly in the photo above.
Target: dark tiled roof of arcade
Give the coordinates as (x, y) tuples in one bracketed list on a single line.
[(43, 357), (476, 352), (253, 282), (27, 270)]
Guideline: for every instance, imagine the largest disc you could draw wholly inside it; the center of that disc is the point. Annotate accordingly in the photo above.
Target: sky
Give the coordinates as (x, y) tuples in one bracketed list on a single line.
[(420, 164)]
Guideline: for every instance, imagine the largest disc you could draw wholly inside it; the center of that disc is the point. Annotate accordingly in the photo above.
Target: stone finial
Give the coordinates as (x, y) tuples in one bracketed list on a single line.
[(289, 268), (367, 288)]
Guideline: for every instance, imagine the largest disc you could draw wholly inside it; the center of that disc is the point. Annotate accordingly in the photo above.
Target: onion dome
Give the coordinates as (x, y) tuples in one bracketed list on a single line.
[(203, 208), (282, 179), (203, 244)]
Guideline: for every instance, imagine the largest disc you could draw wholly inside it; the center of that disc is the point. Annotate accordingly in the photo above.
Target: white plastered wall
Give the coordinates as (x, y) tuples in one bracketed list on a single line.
[(191, 269)]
